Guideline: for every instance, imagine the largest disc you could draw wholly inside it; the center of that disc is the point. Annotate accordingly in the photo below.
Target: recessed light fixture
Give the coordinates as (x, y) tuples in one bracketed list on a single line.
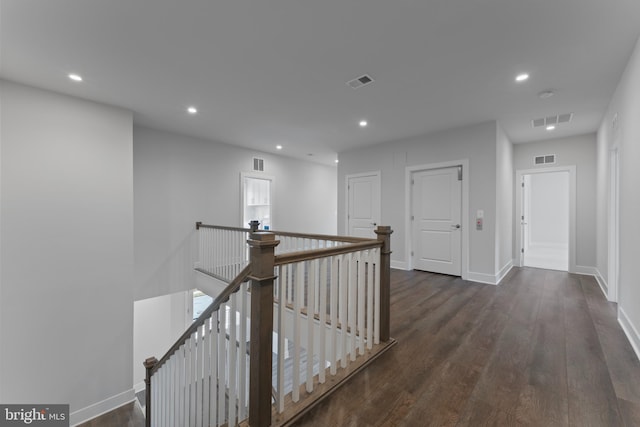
[(363, 123), (337, 160), (546, 94), (550, 127), (522, 77), (192, 110), (278, 147), (75, 77)]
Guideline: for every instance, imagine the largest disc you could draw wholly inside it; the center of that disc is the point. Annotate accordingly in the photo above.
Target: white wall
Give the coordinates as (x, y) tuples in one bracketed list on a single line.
[(626, 104), (476, 143), (67, 251), (179, 180), (579, 151), (504, 203), (157, 324)]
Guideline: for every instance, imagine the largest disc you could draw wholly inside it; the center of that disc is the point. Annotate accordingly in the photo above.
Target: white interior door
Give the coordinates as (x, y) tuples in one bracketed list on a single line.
[(363, 202), (436, 214), (545, 220)]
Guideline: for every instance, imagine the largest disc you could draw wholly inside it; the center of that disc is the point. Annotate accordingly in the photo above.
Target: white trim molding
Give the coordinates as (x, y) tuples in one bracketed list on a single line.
[(399, 265), (92, 411), (604, 286), (572, 210), (503, 272), (630, 331)]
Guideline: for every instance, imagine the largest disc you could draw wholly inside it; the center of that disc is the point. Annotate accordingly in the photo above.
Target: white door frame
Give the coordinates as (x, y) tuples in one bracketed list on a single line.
[(613, 220), (409, 171), (377, 176), (256, 175), (572, 210)]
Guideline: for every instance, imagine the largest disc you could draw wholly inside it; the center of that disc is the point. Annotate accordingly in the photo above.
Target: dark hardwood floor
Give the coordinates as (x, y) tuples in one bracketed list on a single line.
[(542, 349)]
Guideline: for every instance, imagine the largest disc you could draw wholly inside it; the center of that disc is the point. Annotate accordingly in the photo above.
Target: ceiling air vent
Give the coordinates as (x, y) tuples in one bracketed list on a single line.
[(258, 164), (360, 81), (547, 159), (551, 120)]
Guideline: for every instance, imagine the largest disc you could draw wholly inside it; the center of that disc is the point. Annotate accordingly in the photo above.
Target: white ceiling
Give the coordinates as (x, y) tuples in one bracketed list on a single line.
[(268, 72)]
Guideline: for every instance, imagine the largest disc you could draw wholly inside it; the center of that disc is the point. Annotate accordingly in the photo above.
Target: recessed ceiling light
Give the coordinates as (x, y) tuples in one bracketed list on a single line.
[(278, 147), (75, 77), (192, 110), (550, 127), (337, 160), (546, 94), (363, 123), (522, 77)]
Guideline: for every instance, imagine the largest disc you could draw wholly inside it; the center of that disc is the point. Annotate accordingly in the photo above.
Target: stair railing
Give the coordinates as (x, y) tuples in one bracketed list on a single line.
[(330, 297)]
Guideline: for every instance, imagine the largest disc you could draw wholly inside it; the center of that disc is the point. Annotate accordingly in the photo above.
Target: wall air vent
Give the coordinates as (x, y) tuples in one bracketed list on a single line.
[(258, 164), (551, 120), (360, 81), (547, 159)]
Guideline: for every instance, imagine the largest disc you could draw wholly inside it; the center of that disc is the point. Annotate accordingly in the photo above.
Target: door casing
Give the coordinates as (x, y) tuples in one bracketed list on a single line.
[(572, 211)]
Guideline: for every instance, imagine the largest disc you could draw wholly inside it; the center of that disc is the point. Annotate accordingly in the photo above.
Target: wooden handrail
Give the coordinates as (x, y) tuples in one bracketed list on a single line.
[(346, 239), (215, 305), (292, 257)]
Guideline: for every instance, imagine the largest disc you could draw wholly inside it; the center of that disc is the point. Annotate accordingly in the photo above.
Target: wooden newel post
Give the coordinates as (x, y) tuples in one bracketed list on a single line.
[(148, 365), (384, 235), (261, 253)]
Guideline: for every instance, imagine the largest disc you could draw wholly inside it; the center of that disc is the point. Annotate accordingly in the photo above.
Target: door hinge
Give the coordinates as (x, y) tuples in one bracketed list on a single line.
[(522, 250), (413, 182), (412, 217), (522, 217), (523, 185), (459, 173), (411, 253)]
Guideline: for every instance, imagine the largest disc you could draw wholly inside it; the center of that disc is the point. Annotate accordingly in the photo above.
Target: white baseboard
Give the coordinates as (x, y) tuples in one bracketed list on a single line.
[(503, 272), (139, 387), (399, 265), (489, 279), (604, 287), (587, 271), (99, 408), (630, 331)]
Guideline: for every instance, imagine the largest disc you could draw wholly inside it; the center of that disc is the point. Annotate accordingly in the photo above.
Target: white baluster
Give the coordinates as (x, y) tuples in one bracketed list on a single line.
[(361, 295), (215, 349), (233, 373), (311, 295), (376, 300), (344, 289), (351, 305), (297, 305), (206, 371), (281, 283), (222, 368), (333, 310), (323, 287), (244, 313), (370, 285)]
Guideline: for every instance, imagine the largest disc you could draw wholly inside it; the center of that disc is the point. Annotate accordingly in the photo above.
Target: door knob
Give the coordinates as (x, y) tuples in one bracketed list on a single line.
[(374, 224), (455, 226)]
